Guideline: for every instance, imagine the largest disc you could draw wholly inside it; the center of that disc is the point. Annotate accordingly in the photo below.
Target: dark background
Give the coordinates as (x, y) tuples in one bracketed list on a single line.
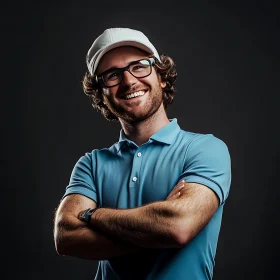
[(227, 58)]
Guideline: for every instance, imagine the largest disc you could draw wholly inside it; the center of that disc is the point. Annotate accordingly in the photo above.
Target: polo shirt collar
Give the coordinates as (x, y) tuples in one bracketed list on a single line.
[(166, 135)]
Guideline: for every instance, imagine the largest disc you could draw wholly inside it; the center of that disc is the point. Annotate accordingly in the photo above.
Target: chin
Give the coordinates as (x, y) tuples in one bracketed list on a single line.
[(138, 117)]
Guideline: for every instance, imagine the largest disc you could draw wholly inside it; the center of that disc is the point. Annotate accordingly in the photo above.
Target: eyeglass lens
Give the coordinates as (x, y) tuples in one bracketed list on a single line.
[(138, 69)]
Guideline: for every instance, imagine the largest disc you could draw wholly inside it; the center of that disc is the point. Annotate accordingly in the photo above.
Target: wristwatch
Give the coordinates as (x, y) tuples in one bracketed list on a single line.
[(86, 214)]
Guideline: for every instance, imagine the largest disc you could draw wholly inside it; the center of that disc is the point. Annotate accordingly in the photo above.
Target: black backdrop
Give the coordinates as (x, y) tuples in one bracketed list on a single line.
[(227, 58)]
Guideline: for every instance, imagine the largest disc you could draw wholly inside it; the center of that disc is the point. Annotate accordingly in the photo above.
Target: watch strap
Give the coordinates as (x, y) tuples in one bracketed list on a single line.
[(86, 214)]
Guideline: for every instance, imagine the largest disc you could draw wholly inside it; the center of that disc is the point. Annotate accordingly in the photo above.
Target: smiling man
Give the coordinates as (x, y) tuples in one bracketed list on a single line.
[(150, 206)]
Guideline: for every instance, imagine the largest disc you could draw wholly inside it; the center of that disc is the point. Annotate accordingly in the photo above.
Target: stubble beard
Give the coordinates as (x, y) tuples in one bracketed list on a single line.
[(151, 107)]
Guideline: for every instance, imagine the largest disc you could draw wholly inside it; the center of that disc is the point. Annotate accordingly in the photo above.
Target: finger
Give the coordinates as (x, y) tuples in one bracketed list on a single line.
[(176, 189), (172, 197), (175, 192), (181, 183), (181, 187)]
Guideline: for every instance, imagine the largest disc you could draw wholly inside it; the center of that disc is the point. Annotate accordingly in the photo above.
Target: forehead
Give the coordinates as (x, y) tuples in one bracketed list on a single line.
[(120, 57)]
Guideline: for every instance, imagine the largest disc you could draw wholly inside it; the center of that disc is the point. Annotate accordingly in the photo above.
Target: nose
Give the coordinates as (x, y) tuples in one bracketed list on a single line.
[(128, 79)]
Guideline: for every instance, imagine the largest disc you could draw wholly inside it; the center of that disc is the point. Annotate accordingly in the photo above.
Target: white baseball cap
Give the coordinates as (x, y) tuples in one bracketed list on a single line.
[(116, 37)]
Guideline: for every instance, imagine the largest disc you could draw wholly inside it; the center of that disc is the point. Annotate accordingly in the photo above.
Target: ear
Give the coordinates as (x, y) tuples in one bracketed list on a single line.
[(163, 84)]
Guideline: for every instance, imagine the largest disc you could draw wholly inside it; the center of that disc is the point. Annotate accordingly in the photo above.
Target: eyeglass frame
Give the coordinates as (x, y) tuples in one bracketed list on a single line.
[(99, 77)]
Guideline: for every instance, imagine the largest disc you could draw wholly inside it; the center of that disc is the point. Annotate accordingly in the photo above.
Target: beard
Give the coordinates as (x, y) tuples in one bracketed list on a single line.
[(151, 106)]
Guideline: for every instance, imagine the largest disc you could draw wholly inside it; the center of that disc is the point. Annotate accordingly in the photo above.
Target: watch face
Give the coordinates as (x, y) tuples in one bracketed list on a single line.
[(85, 215)]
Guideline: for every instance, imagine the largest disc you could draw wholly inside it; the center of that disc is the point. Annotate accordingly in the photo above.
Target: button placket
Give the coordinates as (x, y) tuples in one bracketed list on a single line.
[(136, 168)]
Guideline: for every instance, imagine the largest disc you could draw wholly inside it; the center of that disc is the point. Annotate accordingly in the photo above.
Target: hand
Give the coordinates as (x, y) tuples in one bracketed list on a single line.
[(175, 193)]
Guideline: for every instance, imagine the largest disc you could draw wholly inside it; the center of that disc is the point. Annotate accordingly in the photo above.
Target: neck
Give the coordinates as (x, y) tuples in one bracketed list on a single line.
[(139, 132)]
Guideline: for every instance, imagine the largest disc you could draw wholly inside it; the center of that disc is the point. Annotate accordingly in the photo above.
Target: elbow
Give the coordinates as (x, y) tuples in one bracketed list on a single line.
[(64, 246), (60, 250), (62, 241), (64, 231), (60, 245), (181, 235), (182, 240)]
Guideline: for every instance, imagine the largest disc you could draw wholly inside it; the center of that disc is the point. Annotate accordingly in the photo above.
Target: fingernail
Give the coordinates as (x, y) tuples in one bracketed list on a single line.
[(181, 186)]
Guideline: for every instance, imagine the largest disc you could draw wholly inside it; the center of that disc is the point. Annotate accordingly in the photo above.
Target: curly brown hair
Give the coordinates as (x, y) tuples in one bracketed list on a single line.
[(166, 70)]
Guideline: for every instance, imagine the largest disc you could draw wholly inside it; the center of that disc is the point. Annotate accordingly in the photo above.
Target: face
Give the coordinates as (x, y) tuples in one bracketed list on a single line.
[(118, 98)]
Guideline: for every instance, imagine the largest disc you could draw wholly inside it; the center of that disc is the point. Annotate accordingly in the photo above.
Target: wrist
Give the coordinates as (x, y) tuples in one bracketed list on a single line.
[(85, 215)]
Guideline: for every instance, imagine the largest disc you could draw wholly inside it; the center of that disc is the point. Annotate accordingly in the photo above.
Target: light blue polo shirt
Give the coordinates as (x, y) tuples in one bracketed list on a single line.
[(127, 176)]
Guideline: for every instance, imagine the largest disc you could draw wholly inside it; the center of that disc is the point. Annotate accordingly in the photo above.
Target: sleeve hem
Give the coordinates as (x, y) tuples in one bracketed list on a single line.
[(77, 190), (208, 183)]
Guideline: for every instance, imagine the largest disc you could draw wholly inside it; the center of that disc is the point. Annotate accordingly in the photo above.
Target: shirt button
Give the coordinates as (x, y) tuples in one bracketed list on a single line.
[(134, 179), (139, 154)]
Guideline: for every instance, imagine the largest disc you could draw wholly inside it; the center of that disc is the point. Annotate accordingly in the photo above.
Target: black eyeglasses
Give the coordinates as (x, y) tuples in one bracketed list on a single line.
[(139, 69)]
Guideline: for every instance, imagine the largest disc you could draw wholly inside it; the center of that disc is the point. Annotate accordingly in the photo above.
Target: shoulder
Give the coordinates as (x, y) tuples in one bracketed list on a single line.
[(205, 150), (208, 153), (203, 141), (100, 153), (208, 141)]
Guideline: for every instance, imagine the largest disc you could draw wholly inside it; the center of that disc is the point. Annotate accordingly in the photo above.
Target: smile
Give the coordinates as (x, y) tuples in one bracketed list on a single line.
[(135, 94)]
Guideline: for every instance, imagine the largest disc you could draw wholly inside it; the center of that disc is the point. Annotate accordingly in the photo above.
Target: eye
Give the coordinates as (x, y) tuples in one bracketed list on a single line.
[(140, 65), (137, 67), (112, 75)]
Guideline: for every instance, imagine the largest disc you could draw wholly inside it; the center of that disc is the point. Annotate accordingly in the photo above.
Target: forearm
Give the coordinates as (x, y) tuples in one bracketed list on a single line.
[(154, 225), (84, 242)]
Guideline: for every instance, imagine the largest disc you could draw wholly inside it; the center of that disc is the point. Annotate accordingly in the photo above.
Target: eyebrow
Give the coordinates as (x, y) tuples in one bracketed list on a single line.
[(115, 67)]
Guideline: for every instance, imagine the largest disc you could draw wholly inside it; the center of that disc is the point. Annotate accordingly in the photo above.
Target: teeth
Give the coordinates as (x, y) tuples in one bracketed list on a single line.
[(137, 93)]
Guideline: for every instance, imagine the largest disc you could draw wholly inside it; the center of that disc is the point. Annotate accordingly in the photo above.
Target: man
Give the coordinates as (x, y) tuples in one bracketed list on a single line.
[(150, 206)]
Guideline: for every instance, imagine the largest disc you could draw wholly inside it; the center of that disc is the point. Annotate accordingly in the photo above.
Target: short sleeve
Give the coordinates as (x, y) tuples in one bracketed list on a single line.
[(207, 162), (81, 179)]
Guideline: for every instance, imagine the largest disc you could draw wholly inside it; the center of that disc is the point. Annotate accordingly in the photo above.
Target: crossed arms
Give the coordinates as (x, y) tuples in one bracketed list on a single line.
[(113, 232)]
